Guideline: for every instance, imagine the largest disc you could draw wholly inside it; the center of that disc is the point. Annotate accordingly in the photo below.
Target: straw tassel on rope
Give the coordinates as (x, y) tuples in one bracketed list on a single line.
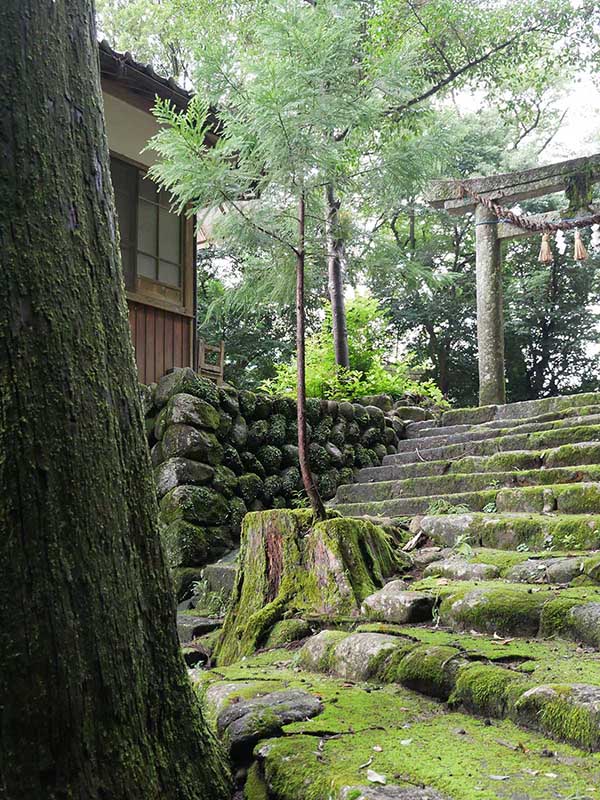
[(580, 251), (545, 256)]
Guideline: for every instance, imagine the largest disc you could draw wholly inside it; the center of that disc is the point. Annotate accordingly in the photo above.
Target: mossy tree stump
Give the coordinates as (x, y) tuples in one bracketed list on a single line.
[(290, 566)]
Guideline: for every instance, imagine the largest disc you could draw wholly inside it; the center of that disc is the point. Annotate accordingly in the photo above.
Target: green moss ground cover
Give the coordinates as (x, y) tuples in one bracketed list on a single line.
[(416, 740)]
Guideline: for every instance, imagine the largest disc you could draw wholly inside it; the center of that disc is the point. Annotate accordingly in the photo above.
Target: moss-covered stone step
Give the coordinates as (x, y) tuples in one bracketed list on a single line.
[(539, 440), (571, 569), (552, 660), (455, 483), (564, 711), (474, 434), (426, 429), (570, 455), (496, 607), (410, 739), (526, 409), (579, 498), (510, 531)]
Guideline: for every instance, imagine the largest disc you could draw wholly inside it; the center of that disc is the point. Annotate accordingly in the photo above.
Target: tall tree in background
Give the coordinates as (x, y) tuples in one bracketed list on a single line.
[(94, 696)]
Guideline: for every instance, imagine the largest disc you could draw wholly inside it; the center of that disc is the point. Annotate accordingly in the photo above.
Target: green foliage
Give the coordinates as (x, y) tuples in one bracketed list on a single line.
[(368, 338), (339, 93)]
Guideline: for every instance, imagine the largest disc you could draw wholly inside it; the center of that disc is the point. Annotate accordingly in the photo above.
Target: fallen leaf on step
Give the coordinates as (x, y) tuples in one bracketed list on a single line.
[(375, 777)]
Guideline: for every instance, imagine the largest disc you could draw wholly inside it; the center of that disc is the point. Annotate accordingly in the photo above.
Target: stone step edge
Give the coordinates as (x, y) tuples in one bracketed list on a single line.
[(481, 530), (351, 489), (504, 444), (559, 711), (512, 410), (476, 434), (416, 430), (370, 474), (561, 498)]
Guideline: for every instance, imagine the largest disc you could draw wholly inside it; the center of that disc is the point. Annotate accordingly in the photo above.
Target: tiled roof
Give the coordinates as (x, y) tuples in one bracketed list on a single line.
[(140, 78)]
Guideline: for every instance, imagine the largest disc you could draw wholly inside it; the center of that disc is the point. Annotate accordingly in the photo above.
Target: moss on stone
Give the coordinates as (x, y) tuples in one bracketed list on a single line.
[(188, 545), (485, 689), (250, 487), (196, 504), (272, 486), (276, 432), (318, 457), (507, 610), (270, 457), (255, 788), (555, 616), (247, 403), (288, 630), (425, 668), (224, 481), (257, 434), (549, 710)]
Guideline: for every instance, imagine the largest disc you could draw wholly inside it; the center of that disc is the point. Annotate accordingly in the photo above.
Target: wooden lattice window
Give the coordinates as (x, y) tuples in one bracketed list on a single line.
[(151, 235)]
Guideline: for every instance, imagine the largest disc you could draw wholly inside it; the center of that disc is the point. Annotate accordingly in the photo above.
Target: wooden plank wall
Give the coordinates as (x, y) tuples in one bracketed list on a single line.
[(161, 339)]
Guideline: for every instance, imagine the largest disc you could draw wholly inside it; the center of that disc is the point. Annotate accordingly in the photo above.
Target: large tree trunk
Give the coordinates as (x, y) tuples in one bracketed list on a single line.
[(335, 263), (94, 698), (307, 478)]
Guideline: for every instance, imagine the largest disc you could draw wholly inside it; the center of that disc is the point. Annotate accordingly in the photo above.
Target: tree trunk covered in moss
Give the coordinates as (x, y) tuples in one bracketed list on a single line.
[(291, 566), (94, 698)]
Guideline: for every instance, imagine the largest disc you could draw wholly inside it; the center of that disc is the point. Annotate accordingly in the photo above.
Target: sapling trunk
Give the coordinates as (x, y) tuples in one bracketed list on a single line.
[(307, 478), (335, 262)]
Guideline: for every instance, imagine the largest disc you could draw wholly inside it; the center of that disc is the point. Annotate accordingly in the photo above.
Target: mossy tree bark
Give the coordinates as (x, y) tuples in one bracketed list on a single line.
[(291, 566), (94, 698)]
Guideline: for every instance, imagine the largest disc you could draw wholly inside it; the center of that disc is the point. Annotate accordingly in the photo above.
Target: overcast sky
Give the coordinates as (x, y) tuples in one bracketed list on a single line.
[(579, 135)]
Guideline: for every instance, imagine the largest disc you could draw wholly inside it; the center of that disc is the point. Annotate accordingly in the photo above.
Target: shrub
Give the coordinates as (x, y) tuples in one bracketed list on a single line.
[(370, 371)]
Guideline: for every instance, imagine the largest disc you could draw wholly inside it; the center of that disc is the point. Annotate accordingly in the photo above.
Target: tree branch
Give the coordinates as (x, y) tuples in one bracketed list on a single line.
[(452, 76), (554, 132), (258, 227)]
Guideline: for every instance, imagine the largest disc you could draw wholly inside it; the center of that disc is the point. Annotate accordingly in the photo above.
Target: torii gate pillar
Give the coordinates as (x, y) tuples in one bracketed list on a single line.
[(490, 315)]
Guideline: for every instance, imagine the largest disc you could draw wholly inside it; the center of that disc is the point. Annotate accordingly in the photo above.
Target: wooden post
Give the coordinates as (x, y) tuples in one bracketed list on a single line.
[(490, 316)]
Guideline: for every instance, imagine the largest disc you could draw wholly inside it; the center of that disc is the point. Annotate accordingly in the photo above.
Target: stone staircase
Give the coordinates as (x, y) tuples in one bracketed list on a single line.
[(476, 673), (525, 474)]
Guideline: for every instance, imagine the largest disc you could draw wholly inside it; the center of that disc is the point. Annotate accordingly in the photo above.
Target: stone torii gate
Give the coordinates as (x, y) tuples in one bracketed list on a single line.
[(575, 177)]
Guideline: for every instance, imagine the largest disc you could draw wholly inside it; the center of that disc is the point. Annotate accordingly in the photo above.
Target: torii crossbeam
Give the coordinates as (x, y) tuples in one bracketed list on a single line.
[(575, 177)]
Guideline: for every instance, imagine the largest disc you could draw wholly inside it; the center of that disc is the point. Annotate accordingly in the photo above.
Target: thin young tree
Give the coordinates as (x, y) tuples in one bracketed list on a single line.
[(95, 701), (275, 156)]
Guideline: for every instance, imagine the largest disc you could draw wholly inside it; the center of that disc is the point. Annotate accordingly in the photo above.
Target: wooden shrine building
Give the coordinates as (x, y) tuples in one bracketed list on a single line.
[(158, 247)]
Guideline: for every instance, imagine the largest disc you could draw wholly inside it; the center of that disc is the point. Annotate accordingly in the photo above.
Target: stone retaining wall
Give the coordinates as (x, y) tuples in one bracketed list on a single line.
[(219, 452)]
